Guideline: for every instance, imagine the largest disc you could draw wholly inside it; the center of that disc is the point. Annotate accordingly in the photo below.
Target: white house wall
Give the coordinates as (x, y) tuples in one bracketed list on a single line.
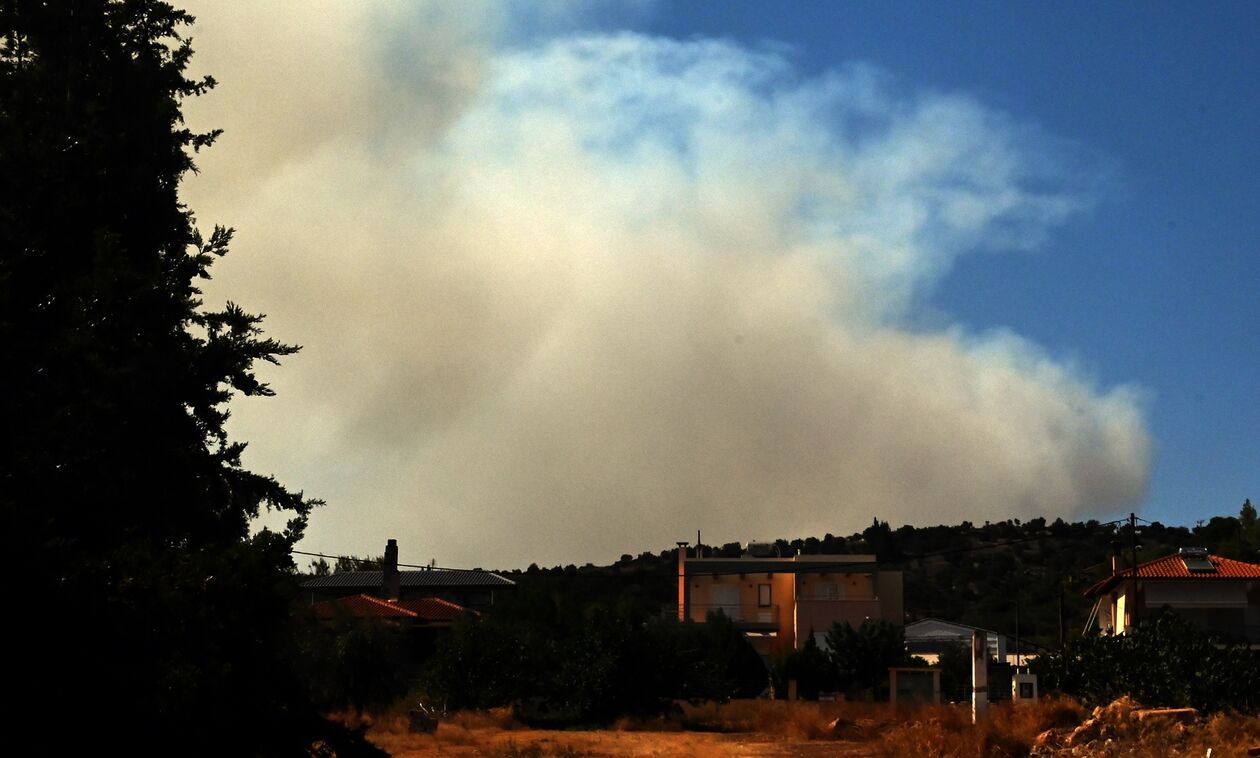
[(1196, 595)]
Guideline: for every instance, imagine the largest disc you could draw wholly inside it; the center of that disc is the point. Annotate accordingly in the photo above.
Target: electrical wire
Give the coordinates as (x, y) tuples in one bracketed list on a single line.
[(788, 567)]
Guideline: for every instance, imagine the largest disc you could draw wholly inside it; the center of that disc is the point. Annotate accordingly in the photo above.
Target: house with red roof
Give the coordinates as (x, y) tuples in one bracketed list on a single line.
[(428, 612), (468, 588), (1218, 594), (427, 601), (423, 605)]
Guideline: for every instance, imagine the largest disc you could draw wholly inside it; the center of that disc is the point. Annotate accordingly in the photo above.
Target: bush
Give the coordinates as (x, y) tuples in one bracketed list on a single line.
[(811, 667), (592, 666), (863, 656), (947, 731), (955, 666), (354, 663), (1165, 661), (857, 662), (716, 659)]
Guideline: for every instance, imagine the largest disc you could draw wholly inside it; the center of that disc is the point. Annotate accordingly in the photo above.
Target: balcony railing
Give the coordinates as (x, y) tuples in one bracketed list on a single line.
[(745, 616), (821, 614), (818, 614)]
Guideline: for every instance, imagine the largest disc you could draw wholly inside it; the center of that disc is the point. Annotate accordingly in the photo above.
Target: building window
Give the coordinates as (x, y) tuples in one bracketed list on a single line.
[(763, 595), (828, 591)]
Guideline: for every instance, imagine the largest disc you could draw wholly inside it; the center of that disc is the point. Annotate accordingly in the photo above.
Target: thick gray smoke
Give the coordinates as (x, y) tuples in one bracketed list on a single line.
[(584, 296)]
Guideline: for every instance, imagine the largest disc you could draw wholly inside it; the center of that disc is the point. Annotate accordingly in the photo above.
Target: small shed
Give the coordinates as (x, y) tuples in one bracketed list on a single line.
[(928, 638)]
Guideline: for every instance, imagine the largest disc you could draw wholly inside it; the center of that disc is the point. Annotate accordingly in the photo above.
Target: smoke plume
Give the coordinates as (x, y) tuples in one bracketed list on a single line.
[(581, 295)]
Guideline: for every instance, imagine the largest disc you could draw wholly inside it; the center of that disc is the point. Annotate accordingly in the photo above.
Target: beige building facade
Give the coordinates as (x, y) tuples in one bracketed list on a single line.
[(777, 601)]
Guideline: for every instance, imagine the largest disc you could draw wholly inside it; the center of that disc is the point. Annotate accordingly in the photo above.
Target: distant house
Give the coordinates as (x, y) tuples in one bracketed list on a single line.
[(470, 588), (1219, 594), (429, 613), (928, 638), (776, 601)]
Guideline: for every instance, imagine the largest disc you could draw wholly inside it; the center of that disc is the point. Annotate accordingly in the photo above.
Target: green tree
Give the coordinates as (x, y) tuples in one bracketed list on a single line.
[(353, 563), (955, 666), (1249, 532), (160, 613), (714, 660), (320, 567), (811, 667), (862, 656), (1166, 660), (563, 664), (365, 664)]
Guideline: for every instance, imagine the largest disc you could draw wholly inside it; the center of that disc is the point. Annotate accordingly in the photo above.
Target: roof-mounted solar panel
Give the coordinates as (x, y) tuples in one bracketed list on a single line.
[(1196, 559)]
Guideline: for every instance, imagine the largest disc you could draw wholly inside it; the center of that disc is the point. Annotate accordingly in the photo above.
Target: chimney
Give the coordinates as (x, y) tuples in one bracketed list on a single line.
[(391, 580), (682, 581), (1116, 549)]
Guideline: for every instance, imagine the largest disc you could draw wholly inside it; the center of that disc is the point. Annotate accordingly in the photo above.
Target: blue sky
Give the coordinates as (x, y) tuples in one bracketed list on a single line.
[(582, 278), (1160, 284)]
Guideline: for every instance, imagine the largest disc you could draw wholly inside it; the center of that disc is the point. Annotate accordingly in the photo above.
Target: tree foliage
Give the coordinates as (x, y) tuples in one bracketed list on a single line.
[(973, 574), (1165, 661), (364, 664), (811, 668), (589, 664), (856, 661), (118, 480), (863, 656), (955, 665)]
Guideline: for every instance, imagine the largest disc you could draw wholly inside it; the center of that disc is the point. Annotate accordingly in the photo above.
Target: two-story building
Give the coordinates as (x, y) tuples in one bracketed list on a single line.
[(777, 600), (1219, 594)]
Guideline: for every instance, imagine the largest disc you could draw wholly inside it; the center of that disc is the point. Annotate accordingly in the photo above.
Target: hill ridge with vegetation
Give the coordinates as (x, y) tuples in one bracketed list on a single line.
[(967, 573)]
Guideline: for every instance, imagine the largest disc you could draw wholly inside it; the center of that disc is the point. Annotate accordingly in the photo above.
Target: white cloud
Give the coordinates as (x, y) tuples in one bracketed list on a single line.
[(580, 298)]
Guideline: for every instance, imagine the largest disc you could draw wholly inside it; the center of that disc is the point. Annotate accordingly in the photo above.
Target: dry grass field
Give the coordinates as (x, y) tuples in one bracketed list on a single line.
[(848, 730)]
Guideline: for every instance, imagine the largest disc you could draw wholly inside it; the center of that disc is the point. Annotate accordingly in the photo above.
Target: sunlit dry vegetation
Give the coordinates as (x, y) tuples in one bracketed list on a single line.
[(1062, 727), (780, 728)]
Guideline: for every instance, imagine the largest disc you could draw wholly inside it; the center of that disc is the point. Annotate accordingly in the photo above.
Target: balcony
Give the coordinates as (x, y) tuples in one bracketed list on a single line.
[(821, 614), (748, 617), (816, 614)]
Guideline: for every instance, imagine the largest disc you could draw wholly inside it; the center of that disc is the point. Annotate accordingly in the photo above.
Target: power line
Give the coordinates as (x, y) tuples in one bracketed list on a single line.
[(788, 567), (620, 575), (356, 559)]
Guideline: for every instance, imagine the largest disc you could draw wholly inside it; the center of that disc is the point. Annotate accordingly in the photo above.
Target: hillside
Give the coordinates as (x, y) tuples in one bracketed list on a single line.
[(974, 574)]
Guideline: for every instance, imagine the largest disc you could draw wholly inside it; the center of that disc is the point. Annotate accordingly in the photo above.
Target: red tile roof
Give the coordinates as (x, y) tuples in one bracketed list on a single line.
[(435, 609), (1173, 567), (428, 609)]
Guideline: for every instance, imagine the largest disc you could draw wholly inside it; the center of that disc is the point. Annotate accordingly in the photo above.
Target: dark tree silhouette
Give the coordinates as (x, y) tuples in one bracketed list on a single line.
[(862, 656), (159, 614)]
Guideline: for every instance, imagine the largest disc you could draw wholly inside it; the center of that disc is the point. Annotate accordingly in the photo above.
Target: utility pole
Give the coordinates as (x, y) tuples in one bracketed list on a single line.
[(683, 610), (1132, 603), (1062, 634), (1018, 660), (979, 676)]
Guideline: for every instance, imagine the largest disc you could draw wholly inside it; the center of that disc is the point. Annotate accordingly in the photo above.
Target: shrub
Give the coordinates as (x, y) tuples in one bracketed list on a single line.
[(590, 666), (955, 666), (811, 667), (354, 663), (1165, 661), (863, 656)]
